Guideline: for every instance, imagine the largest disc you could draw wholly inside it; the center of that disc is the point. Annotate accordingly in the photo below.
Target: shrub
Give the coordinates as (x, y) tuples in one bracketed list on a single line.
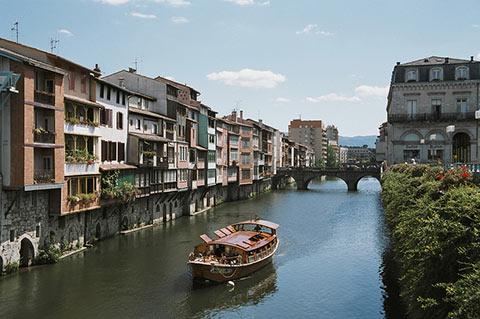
[(11, 268), (50, 255)]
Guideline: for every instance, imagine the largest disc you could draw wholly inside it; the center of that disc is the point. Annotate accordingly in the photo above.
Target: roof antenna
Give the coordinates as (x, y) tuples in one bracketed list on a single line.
[(53, 44), (136, 62), (15, 28)]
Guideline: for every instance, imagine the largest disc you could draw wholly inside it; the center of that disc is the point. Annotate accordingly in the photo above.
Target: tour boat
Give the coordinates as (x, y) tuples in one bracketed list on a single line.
[(238, 250)]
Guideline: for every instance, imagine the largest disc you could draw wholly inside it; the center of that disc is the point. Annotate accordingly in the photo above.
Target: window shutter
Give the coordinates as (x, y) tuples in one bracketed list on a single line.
[(110, 118), (102, 116), (121, 151), (114, 151), (108, 147), (104, 150)]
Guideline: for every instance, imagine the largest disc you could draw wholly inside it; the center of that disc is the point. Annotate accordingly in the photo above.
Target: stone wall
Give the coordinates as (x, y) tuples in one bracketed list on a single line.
[(28, 218)]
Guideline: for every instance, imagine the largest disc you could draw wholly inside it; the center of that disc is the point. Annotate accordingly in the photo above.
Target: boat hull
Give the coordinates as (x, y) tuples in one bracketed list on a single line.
[(222, 273)]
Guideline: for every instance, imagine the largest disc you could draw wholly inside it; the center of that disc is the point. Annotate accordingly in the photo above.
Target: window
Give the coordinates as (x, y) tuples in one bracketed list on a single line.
[(81, 185), (234, 140), (436, 74), (183, 175), (461, 73), (245, 142), (411, 109), (246, 173), (71, 82), (212, 173), (462, 106), (245, 158), (118, 97), (123, 98), (412, 76), (154, 128), (183, 153), (83, 84), (211, 139), (170, 176), (109, 91), (211, 156), (139, 103), (138, 124), (120, 120), (201, 174), (102, 87), (436, 108), (234, 155)]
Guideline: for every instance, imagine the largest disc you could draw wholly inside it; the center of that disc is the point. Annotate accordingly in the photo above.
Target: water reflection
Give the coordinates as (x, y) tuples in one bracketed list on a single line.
[(248, 291)]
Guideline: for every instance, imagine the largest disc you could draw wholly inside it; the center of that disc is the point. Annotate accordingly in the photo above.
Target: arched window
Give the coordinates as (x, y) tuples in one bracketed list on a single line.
[(436, 74), (461, 73), (412, 76)]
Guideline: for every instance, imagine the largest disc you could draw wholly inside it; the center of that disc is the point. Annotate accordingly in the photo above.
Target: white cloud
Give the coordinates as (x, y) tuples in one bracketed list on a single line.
[(313, 28), (113, 2), (248, 78), (65, 31), (475, 25), (478, 56), (282, 100), (375, 91), (175, 3), (242, 2), (143, 16), (361, 92), (332, 97), (263, 4), (179, 20)]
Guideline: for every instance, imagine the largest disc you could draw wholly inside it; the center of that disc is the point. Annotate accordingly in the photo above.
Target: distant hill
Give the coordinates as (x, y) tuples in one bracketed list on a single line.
[(357, 140)]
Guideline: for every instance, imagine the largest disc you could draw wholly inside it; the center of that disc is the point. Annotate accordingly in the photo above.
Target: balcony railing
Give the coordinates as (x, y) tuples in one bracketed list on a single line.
[(43, 176), (442, 117), (44, 97), (43, 136)]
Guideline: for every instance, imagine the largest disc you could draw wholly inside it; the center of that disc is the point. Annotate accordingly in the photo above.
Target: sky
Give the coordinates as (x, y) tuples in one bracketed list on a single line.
[(276, 60)]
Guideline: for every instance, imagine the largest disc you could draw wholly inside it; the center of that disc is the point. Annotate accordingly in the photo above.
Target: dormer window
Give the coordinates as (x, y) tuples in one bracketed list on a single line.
[(461, 73), (412, 76), (436, 74)]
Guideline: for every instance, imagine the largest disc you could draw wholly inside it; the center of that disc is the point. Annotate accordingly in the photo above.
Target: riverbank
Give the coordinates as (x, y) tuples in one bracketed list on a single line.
[(434, 221), (120, 217)]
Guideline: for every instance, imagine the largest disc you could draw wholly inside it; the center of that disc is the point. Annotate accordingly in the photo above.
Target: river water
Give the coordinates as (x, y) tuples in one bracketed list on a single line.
[(327, 265)]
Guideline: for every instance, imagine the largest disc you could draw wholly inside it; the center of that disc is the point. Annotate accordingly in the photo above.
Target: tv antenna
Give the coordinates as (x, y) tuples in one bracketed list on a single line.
[(53, 44), (136, 62), (15, 28)]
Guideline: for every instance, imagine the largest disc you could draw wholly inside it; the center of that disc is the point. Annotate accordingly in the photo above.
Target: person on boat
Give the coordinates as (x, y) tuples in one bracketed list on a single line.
[(223, 260), (258, 228)]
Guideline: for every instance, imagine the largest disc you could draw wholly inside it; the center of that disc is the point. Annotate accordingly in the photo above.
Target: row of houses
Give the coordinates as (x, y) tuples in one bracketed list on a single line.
[(90, 141)]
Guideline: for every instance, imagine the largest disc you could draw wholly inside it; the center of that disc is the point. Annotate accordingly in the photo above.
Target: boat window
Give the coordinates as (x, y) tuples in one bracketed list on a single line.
[(251, 257), (211, 247), (269, 249), (259, 255)]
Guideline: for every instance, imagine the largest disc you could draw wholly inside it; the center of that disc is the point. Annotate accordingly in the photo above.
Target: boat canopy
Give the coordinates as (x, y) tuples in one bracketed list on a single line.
[(260, 222)]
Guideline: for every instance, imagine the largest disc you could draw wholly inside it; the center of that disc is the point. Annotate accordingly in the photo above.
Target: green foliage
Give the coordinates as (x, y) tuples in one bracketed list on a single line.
[(434, 218), (50, 255), (79, 157), (11, 268), (332, 160), (112, 189)]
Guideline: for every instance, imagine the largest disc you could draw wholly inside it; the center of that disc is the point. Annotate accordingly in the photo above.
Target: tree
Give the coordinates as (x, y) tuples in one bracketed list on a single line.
[(332, 160)]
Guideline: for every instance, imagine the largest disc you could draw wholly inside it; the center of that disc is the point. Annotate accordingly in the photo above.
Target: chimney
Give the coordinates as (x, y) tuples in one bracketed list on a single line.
[(398, 63), (120, 82), (446, 60), (132, 70), (97, 69), (241, 114), (260, 121), (471, 58), (234, 115)]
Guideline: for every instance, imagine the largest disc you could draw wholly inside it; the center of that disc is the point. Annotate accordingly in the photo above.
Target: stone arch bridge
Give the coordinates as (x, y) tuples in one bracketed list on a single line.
[(303, 176)]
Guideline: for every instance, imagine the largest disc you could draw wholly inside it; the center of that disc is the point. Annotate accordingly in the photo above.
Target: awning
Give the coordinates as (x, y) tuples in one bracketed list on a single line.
[(83, 101), (112, 167), (151, 137)]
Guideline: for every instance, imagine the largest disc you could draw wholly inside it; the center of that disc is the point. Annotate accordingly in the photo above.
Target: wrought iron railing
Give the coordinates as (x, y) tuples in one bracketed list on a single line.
[(431, 117)]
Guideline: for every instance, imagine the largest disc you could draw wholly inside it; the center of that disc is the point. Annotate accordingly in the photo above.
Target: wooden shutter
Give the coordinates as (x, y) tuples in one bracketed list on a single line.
[(109, 147), (121, 151), (113, 151), (102, 117), (104, 150)]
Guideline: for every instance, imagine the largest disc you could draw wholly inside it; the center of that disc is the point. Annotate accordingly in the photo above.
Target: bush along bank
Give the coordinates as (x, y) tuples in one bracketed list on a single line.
[(434, 220)]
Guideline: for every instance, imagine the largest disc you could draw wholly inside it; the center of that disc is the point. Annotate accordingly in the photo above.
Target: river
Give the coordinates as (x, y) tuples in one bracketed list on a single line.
[(327, 265)]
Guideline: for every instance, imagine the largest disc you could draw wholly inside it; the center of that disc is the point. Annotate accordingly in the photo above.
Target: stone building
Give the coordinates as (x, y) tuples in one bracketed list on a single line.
[(310, 132), (431, 110)]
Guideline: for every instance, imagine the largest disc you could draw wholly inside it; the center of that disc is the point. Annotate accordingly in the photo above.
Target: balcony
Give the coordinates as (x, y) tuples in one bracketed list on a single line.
[(433, 117), (43, 176), (43, 136), (44, 97), (91, 129), (81, 168)]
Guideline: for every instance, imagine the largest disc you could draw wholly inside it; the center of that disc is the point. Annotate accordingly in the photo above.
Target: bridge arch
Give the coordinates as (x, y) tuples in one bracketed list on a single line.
[(27, 252), (303, 176)]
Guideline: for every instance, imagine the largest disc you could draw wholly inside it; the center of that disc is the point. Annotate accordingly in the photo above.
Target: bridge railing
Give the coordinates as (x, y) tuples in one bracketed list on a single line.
[(473, 167)]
